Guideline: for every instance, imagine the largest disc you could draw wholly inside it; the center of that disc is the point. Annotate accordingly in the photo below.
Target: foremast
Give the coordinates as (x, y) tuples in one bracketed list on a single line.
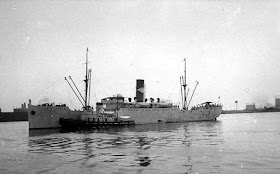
[(87, 84), (87, 81)]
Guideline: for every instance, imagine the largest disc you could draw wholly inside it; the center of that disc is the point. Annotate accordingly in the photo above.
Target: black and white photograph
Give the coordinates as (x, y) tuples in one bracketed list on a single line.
[(139, 86)]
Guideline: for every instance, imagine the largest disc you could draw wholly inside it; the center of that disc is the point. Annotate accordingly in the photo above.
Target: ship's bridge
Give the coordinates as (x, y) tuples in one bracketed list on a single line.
[(113, 102), (112, 99)]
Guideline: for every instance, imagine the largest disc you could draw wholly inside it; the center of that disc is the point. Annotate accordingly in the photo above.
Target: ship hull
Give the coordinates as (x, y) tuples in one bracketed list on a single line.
[(46, 117), (170, 115)]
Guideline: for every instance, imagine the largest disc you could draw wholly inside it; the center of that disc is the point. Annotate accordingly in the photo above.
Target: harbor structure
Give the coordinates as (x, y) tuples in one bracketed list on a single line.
[(250, 106), (277, 101)]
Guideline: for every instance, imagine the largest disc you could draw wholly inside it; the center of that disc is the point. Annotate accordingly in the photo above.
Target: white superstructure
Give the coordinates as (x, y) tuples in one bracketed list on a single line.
[(159, 112)]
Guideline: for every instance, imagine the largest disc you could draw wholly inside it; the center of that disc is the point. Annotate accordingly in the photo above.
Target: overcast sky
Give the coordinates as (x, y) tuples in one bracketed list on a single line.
[(232, 49)]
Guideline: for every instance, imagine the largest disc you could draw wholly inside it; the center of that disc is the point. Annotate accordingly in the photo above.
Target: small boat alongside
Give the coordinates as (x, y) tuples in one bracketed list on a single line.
[(67, 123)]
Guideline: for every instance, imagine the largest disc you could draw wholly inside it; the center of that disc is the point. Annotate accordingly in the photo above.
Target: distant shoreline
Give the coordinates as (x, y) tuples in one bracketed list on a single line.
[(251, 111)]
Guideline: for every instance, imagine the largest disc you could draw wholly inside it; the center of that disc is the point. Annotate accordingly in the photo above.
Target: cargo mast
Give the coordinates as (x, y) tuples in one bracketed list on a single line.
[(86, 80), (87, 90), (184, 85)]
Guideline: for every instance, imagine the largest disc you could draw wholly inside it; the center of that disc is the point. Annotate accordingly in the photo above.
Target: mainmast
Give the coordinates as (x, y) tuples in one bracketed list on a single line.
[(184, 85), (86, 80)]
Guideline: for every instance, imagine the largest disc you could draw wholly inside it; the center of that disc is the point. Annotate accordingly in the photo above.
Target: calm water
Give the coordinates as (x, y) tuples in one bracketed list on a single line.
[(239, 143)]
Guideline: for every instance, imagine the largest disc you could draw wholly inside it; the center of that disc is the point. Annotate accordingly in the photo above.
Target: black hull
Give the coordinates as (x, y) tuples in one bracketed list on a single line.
[(71, 124)]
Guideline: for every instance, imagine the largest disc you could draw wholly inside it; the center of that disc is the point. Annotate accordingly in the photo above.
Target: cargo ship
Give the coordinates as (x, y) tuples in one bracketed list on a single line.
[(18, 114), (118, 110)]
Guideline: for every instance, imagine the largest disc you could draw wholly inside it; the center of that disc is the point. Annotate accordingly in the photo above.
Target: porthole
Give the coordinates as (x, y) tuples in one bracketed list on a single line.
[(33, 112)]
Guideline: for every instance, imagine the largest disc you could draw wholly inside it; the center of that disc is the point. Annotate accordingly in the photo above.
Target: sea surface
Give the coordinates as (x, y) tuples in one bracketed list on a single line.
[(237, 143)]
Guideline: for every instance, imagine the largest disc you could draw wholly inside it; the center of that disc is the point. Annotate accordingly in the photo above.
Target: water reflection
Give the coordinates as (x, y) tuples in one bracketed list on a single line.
[(144, 161), (240, 143), (143, 144), (42, 132), (132, 128), (127, 146)]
